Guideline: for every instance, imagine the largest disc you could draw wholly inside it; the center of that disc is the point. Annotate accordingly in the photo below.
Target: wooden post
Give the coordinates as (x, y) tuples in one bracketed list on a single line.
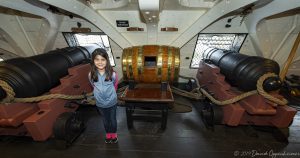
[(290, 58)]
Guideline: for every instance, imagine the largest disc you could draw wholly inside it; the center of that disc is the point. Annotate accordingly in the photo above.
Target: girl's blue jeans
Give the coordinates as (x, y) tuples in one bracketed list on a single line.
[(109, 118)]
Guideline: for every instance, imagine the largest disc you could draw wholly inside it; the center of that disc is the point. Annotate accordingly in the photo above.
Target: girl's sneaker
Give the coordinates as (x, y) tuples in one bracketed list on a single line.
[(107, 140), (114, 140)]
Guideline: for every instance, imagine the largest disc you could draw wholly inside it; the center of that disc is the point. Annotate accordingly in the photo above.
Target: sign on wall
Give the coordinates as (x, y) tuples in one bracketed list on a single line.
[(122, 23)]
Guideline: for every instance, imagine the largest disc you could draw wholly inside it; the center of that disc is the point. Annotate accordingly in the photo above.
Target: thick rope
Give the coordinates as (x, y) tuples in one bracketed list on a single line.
[(259, 90), (229, 101), (201, 91), (262, 92), (51, 96), (10, 94), (192, 95)]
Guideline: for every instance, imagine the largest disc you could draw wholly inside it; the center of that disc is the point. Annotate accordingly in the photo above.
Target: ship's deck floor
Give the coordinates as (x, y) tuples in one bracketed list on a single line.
[(185, 137)]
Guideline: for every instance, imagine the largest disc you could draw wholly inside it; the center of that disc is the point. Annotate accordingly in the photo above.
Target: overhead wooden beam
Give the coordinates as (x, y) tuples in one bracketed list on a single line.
[(221, 9), (93, 16)]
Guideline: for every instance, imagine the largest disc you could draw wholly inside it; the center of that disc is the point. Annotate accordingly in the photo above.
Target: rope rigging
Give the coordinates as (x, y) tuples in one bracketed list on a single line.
[(197, 94)]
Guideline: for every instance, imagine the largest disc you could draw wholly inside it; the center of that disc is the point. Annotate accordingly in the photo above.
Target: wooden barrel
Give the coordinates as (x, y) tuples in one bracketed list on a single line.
[(151, 64)]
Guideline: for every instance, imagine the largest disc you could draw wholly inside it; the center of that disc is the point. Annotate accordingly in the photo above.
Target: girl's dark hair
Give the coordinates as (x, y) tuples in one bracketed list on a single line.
[(108, 67)]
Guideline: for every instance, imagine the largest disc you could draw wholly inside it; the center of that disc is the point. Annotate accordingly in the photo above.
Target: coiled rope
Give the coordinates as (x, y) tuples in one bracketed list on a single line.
[(259, 86)]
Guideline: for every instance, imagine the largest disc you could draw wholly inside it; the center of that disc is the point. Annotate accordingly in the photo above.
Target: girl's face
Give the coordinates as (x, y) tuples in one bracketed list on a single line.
[(100, 62)]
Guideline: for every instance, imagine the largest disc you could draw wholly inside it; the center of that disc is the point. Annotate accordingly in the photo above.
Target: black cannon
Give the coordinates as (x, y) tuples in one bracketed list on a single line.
[(243, 71), (33, 76), (61, 71), (223, 72)]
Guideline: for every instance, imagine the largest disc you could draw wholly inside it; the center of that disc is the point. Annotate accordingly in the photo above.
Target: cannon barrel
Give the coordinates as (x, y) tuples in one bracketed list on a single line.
[(243, 71), (35, 75)]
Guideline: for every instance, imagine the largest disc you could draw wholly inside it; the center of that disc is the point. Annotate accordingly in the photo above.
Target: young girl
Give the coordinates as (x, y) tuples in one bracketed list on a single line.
[(105, 81)]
